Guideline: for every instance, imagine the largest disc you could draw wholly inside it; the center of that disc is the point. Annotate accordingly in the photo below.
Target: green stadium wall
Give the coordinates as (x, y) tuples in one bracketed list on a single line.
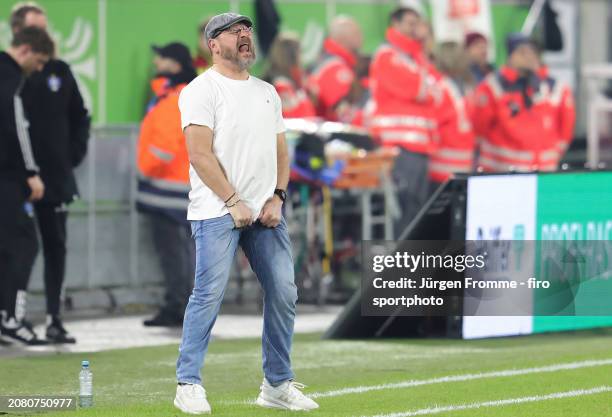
[(108, 41)]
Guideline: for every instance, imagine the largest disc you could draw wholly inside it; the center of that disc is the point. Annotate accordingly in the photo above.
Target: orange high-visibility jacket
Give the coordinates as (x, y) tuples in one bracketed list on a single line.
[(455, 150), (162, 159), (331, 80), (294, 98), (403, 95), (516, 125), (162, 153)]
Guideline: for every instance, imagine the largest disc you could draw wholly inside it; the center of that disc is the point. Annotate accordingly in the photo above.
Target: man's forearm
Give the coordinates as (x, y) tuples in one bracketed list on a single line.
[(211, 173), (282, 165)]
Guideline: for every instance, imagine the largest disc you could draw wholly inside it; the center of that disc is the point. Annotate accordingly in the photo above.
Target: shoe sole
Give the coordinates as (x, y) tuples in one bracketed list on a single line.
[(179, 405), (5, 341), (60, 342), (279, 405), (17, 342)]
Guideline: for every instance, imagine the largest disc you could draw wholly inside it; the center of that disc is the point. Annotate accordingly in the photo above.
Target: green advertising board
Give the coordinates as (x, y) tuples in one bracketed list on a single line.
[(568, 216), (576, 207), (75, 28)]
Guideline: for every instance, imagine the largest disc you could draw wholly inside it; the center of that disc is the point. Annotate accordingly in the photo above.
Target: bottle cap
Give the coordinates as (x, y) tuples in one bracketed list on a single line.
[(85, 364)]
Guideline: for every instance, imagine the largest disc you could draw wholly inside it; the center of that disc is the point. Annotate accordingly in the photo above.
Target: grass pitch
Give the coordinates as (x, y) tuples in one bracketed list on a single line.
[(396, 378)]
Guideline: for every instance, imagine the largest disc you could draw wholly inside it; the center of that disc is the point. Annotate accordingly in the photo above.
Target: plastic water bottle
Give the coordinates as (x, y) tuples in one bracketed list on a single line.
[(86, 386)]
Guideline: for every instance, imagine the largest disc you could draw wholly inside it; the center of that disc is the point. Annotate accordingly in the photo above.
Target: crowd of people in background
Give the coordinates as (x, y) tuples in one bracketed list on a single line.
[(444, 107)]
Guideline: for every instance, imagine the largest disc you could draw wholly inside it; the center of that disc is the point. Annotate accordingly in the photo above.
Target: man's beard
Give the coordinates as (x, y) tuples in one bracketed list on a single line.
[(233, 55)]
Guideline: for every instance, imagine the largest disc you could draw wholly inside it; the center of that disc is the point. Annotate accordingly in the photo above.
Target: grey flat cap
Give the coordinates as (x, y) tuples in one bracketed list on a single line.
[(220, 22)]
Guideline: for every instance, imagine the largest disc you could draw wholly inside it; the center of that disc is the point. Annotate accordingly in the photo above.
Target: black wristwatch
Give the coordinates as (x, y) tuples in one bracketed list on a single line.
[(281, 194)]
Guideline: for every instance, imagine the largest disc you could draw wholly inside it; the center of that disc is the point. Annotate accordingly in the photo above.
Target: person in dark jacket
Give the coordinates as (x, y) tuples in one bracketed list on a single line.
[(60, 130), (20, 182)]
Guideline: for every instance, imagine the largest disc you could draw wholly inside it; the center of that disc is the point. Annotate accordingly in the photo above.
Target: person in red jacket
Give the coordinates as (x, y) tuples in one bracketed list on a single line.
[(163, 182), (455, 150), (403, 90), (516, 125), (333, 82), (561, 99), (285, 74)]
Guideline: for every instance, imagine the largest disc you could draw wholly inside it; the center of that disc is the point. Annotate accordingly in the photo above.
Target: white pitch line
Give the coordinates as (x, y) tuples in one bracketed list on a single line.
[(450, 378), (464, 377), (498, 403)]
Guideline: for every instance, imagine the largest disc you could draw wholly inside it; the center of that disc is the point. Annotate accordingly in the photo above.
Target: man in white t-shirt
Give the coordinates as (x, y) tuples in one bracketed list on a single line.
[(239, 172)]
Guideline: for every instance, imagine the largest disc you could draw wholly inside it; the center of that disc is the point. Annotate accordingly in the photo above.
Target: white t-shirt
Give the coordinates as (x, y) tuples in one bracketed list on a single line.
[(245, 117)]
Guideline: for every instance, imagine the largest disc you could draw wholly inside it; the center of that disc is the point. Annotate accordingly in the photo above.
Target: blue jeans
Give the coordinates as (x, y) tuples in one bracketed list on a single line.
[(269, 253)]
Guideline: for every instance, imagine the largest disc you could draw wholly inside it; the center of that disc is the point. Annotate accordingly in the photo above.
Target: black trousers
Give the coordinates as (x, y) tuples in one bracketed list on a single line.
[(52, 226), (412, 184), (18, 243), (176, 253)]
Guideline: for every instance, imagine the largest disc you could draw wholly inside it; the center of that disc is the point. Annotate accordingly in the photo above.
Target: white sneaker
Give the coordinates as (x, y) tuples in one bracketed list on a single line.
[(286, 396), (191, 399)]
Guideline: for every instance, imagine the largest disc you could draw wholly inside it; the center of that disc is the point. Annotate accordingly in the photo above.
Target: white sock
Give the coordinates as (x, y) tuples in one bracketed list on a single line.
[(20, 305)]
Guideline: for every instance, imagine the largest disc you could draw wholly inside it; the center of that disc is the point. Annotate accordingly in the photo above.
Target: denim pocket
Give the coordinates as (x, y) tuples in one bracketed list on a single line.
[(283, 223), (210, 225), (218, 223), (195, 226)]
